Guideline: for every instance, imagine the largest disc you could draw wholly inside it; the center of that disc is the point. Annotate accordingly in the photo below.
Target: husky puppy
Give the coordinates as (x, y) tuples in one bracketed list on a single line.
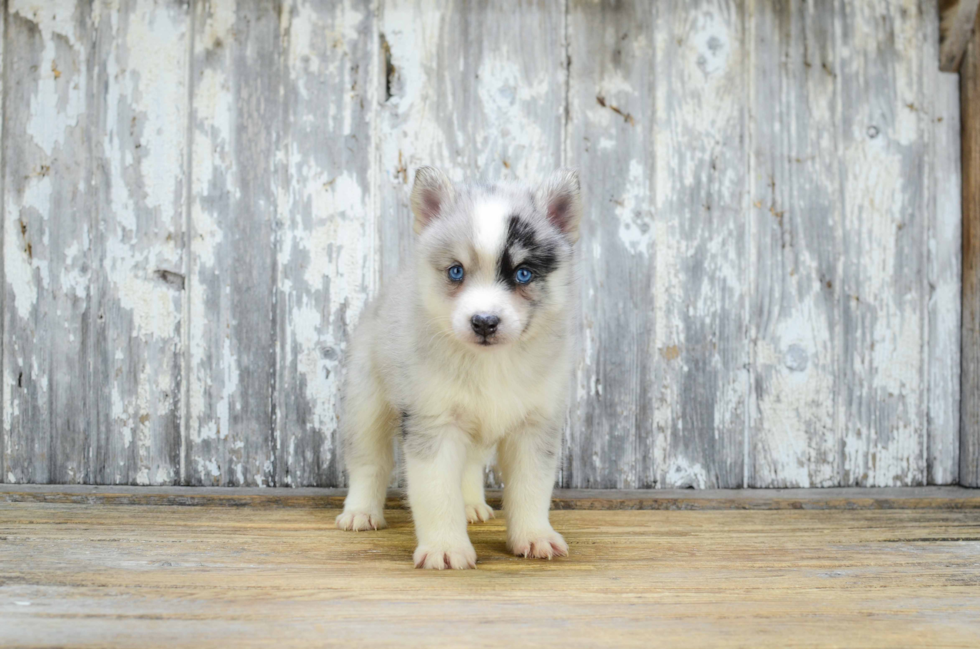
[(467, 350)]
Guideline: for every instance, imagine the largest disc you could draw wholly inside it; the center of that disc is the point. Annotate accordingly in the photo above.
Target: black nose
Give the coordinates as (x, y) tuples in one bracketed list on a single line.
[(484, 324)]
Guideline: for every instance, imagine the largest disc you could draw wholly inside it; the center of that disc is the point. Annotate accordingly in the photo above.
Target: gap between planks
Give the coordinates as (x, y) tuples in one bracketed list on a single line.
[(563, 499)]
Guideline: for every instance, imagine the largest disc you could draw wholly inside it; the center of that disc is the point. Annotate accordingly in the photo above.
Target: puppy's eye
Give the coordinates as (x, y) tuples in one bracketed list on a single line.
[(456, 273), (523, 276)]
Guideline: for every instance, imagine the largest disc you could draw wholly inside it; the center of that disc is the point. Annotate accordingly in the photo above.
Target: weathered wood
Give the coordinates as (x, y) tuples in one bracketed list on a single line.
[(795, 247), (326, 258), (797, 386), (563, 499), (51, 307), (945, 273), (237, 114), (51, 298), (884, 271), (139, 144), (699, 262), (970, 382), (955, 31), (477, 89), (611, 110), (3, 283), (193, 576), (93, 223), (769, 266)]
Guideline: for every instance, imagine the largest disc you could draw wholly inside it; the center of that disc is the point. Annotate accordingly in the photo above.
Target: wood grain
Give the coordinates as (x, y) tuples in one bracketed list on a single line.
[(93, 236), (699, 265), (195, 576), (237, 113), (795, 248), (140, 87), (955, 31), (198, 198), (609, 440), (326, 256), (853, 498), (885, 236), (970, 385), (3, 282), (945, 277), (51, 304)]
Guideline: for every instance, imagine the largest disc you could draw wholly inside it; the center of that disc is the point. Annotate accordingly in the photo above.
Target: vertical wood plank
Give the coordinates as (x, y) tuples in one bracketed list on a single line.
[(941, 125), (609, 442), (93, 242), (970, 381), (138, 139), (795, 218), (882, 380), (51, 306), (236, 112), (4, 386), (139, 186), (699, 230), (477, 89), (327, 241)]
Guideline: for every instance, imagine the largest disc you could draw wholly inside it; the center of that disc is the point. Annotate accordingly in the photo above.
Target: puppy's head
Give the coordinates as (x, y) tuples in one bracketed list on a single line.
[(494, 259)]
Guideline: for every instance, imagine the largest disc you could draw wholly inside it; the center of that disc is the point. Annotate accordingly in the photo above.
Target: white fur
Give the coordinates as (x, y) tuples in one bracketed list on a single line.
[(414, 352), (487, 298), (490, 225)]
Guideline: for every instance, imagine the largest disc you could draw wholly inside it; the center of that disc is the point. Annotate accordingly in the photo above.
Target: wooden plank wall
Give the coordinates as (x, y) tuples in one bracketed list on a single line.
[(199, 197), (970, 98)]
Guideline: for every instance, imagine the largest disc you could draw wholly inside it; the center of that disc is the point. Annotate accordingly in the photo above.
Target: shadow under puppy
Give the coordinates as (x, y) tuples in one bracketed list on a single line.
[(467, 350)]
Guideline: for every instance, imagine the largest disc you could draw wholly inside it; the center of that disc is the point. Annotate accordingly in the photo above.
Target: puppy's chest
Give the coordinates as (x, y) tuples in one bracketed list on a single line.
[(488, 403)]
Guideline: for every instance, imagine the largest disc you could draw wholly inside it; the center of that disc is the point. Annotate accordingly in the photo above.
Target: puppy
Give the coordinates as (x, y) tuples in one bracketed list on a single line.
[(467, 351)]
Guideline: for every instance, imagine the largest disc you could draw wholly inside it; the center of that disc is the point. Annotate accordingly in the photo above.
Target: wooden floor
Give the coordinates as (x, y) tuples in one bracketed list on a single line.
[(109, 574)]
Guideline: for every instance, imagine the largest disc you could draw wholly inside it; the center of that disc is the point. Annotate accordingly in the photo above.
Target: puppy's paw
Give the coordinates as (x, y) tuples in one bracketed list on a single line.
[(544, 545), (479, 513), (444, 556), (358, 520)]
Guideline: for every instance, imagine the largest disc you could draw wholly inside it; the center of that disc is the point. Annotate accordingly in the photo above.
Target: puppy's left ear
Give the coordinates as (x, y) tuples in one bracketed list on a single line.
[(431, 193), (562, 199)]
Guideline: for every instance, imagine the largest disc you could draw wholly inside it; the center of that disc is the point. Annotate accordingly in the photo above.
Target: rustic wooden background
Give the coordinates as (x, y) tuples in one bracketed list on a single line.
[(199, 197)]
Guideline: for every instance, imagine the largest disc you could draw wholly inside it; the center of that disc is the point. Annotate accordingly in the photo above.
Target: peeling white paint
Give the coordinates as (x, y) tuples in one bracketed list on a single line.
[(59, 98), (213, 371), (335, 247), (945, 246), (633, 211), (682, 474), (506, 93), (342, 218), (19, 268)]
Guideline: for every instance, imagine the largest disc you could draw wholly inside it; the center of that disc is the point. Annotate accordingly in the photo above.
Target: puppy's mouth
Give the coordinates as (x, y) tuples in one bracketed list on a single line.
[(486, 341)]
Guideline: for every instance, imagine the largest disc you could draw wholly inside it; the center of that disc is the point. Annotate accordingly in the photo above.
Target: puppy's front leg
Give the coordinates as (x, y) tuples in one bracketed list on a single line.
[(477, 508), (529, 460), (434, 461)]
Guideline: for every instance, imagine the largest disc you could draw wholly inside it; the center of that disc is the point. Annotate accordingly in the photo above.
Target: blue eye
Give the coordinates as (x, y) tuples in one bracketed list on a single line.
[(456, 273), (523, 276)]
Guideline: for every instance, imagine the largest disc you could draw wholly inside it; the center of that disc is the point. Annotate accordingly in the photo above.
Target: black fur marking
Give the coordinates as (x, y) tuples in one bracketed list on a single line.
[(540, 258), (404, 424)]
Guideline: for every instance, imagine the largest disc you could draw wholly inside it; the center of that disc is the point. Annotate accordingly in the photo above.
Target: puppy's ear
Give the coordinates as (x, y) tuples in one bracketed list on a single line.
[(563, 202), (431, 193)]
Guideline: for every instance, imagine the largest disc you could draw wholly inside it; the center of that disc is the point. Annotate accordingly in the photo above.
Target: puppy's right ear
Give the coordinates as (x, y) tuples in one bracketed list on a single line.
[(431, 193), (561, 196)]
